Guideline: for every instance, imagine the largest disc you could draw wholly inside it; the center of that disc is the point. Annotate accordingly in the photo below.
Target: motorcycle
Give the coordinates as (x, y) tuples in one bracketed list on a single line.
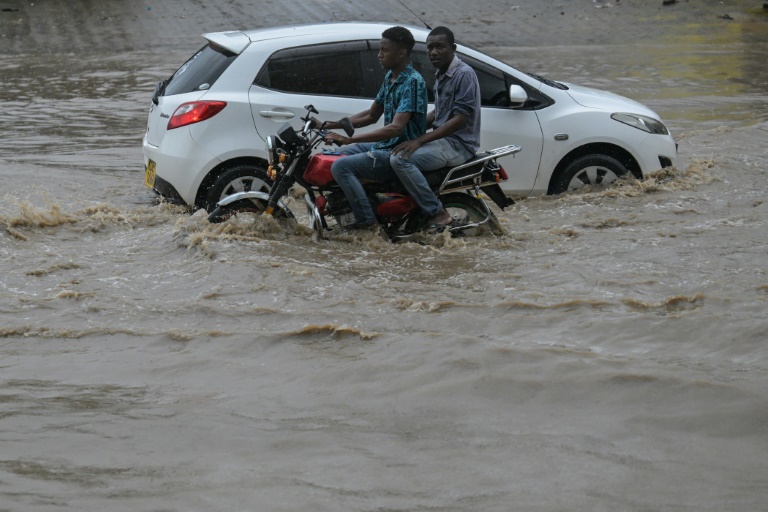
[(292, 161)]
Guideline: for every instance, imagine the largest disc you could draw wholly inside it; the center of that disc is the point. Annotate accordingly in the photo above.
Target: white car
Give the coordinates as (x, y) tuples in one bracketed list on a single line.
[(208, 121)]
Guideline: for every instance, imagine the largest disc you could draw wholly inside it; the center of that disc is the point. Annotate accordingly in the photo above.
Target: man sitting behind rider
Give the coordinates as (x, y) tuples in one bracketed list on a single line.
[(455, 137), (403, 101)]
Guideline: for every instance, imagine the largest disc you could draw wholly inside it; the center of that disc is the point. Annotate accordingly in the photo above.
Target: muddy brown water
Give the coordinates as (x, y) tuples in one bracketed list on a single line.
[(609, 352)]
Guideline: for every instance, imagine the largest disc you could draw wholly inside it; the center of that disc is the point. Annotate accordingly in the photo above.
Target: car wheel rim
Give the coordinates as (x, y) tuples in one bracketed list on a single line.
[(595, 176), (244, 184)]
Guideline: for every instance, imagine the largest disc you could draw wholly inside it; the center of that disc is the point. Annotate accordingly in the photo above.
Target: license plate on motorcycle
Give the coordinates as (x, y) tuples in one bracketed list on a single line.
[(150, 171)]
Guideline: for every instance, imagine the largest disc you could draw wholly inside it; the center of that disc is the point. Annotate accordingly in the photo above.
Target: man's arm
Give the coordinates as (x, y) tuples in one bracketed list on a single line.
[(462, 102), (431, 118), (406, 149), (364, 118), (394, 129)]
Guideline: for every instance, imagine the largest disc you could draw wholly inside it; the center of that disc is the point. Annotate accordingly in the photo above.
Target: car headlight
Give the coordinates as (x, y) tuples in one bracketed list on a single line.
[(271, 150), (645, 123)]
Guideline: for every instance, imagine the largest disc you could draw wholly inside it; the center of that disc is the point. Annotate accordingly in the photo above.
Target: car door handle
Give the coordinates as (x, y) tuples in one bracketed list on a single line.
[(275, 113)]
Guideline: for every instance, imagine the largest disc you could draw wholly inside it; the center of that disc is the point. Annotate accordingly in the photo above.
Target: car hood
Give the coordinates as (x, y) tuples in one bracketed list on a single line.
[(603, 100)]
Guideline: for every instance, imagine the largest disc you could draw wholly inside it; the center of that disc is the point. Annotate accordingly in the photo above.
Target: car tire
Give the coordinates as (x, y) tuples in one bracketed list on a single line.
[(589, 170), (240, 178)]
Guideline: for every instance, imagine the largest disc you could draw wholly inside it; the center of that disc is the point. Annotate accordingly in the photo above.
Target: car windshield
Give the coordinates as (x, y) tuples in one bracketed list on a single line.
[(200, 71)]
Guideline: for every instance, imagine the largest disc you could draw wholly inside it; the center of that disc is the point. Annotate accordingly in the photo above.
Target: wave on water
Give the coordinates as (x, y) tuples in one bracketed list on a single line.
[(34, 216), (669, 179), (40, 332), (91, 218), (570, 304), (671, 305), (53, 269), (332, 330), (26, 331), (424, 306)]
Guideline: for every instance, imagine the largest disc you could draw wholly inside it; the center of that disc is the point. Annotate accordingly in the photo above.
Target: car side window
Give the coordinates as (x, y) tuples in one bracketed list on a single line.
[(338, 69), (421, 63), (494, 91), (493, 87)]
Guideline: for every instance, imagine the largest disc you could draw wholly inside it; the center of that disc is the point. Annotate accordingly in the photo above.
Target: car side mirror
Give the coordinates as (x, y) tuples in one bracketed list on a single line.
[(517, 96)]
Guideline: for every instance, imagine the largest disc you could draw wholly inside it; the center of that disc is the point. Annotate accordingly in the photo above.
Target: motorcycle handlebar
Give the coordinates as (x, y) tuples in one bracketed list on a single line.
[(323, 133)]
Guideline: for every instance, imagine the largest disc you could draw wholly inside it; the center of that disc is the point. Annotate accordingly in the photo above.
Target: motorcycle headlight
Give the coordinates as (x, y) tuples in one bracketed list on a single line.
[(272, 150), (645, 123)]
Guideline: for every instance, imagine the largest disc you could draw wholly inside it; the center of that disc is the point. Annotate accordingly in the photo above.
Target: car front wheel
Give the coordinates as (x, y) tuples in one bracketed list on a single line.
[(240, 178), (588, 170)]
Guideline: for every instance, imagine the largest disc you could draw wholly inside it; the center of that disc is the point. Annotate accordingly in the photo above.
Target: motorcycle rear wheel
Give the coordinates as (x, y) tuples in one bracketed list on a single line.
[(464, 209), (254, 205)]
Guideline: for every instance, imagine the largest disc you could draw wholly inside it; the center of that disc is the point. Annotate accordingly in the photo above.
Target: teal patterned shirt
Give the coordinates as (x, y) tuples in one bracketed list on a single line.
[(407, 94)]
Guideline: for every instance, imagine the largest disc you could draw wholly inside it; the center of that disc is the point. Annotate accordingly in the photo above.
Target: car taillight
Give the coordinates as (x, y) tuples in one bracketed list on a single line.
[(194, 112)]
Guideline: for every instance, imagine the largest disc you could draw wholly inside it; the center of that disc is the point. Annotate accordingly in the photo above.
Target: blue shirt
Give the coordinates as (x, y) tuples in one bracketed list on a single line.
[(457, 91), (406, 94)]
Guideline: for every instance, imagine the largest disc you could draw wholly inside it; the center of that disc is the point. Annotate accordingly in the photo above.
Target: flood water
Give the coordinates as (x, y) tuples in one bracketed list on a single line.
[(610, 352)]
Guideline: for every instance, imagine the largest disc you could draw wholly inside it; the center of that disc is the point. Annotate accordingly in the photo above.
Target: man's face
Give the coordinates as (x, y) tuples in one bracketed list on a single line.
[(440, 51), (390, 54)]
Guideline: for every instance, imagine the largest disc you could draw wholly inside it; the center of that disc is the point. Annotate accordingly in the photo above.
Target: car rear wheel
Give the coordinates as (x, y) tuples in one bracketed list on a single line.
[(589, 170), (240, 178)]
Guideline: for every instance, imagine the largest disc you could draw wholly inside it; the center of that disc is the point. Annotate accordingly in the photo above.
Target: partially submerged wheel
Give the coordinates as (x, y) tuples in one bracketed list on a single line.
[(240, 178), (589, 170), (250, 205), (467, 210), (315, 220)]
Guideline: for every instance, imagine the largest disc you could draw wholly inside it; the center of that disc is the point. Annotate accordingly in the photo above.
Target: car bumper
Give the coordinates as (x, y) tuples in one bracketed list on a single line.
[(656, 152), (181, 165)]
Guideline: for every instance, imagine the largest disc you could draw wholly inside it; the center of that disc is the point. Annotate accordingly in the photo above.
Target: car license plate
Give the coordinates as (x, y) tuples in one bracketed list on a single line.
[(149, 174)]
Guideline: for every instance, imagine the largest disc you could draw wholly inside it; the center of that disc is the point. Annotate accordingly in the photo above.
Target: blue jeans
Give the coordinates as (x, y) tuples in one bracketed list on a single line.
[(363, 163), (429, 157)]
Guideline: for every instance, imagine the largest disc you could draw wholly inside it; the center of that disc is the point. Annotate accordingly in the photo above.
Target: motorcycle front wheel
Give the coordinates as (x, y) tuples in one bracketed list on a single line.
[(253, 205)]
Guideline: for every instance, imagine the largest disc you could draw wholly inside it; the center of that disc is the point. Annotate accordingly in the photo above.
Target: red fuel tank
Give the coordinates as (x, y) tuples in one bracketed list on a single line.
[(318, 171)]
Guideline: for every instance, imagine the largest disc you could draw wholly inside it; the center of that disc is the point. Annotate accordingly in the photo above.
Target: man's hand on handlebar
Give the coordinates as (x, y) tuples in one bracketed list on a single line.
[(338, 139), (342, 124)]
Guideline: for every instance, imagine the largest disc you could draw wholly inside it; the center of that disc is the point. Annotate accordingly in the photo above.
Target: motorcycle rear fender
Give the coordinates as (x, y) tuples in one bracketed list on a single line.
[(264, 196), (497, 195)]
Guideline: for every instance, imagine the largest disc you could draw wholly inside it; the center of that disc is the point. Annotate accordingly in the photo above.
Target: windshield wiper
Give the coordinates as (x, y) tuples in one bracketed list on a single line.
[(159, 90), (551, 83)]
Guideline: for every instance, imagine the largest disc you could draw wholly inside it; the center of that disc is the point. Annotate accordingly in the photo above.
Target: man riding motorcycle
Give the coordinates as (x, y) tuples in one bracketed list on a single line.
[(402, 100), (455, 120)]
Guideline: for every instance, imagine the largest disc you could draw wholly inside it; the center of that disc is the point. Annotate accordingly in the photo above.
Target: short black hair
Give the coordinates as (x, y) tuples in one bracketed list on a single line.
[(443, 31), (401, 36)]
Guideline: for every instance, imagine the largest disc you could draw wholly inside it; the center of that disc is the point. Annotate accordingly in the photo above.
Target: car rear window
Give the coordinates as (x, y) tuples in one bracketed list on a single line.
[(200, 71)]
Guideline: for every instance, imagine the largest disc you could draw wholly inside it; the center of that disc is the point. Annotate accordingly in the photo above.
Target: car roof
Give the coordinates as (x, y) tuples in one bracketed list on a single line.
[(236, 41)]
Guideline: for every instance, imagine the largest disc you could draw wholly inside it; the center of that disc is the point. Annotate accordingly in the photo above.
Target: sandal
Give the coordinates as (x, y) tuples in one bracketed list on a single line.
[(434, 226)]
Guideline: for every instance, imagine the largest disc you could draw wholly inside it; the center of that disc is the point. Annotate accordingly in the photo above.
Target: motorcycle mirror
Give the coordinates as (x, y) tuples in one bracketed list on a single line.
[(311, 108), (346, 124)]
